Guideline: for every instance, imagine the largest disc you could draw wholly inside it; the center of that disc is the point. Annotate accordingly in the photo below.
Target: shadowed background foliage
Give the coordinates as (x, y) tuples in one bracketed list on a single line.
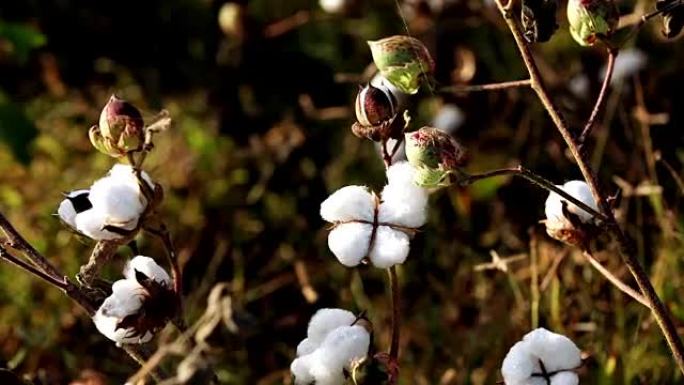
[(262, 104)]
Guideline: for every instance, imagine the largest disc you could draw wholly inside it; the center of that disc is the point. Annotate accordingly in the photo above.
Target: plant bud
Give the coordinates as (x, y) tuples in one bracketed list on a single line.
[(121, 128), (591, 20), (435, 155), (403, 60)]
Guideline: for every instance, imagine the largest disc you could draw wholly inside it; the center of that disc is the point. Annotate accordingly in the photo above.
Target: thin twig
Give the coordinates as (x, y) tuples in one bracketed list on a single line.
[(487, 87), (396, 314), (598, 106), (20, 263), (623, 287), (626, 248), (17, 242), (534, 178)]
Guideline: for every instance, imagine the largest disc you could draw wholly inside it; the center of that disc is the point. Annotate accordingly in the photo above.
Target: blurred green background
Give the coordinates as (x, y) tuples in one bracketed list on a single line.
[(262, 95)]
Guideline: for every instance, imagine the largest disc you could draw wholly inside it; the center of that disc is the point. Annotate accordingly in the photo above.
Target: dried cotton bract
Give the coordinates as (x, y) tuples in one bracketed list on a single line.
[(110, 209), (139, 305), (333, 344), (377, 228), (542, 358), (564, 220)]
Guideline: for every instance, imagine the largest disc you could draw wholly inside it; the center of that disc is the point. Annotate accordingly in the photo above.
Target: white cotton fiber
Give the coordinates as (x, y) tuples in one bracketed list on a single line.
[(91, 223), (577, 189), (122, 203), (327, 320), (557, 352), (345, 344), (301, 370), (147, 266), (403, 202), (347, 204), (349, 242), (125, 300), (390, 247)]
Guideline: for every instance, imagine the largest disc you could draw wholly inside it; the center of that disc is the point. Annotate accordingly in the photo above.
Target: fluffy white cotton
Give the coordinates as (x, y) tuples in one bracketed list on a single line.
[(147, 266), (127, 299), (403, 202), (74, 203), (350, 241), (347, 204), (327, 320), (628, 63), (391, 247), (557, 352), (91, 223), (121, 203), (577, 189), (333, 6), (332, 344)]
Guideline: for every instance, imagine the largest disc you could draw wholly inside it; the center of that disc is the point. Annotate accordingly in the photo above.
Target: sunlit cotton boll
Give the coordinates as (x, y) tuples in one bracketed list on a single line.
[(331, 346), (126, 300), (577, 189), (558, 354), (117, 202)]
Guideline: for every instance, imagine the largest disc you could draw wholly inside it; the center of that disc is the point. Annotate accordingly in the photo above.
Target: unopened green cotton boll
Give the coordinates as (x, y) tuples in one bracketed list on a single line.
[(404, 61), (435, 155), (591, 20)]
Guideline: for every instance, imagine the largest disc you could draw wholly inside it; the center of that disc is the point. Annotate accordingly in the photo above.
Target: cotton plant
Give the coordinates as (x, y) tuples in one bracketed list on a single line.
[(542, 358), (565, 221), (139, 305), (336, 341), (378, 228), (110, 209)]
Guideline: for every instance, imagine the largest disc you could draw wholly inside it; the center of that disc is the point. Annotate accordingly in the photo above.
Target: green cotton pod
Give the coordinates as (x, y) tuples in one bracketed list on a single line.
[(404, 61), (591, 19), (432, 177), (435, 155)]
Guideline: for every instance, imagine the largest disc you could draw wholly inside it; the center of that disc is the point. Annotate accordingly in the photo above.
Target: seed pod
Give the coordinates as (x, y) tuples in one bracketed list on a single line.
[(538, 19), (376, 114), (435, 155), (591, 19), (403, 60)]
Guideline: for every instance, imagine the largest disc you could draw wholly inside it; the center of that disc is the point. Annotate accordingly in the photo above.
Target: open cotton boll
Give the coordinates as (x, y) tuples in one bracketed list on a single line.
[(327, 320), (577, 189), (403, 205), (557, 352), (346, 344), (126, 174), (122, 203), (147, 266), (74, 203), (390, 247), (347, 204), (301, 370), (124, 301), (91, 223), (349, 242)]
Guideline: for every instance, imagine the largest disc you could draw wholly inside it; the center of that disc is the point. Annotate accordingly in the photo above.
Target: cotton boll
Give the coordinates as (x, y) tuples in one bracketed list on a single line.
[(518, 366), (74, 203), (301, 370), (125, 300), (349, 242), (557, 352), (126, 174), (403, 205), (347, 204), (579, 190), (91, 223), (345, 344), (565, 378), (327, 320), (147, 266), (401, 173), (306, 347), (122, 203), (390, 247)]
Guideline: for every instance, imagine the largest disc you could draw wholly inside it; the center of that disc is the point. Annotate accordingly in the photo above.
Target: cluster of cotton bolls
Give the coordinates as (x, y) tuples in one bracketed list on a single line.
[(110, 208), (542, 358), (376, 227), (334, 343), (139, 305), (559, 221)]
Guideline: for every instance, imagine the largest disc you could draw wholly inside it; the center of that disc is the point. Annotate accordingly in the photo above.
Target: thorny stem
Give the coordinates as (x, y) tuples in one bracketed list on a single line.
[(535, 179), (488, 87), (396, 314), (615, 280), (612, 53), (626, 248)]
